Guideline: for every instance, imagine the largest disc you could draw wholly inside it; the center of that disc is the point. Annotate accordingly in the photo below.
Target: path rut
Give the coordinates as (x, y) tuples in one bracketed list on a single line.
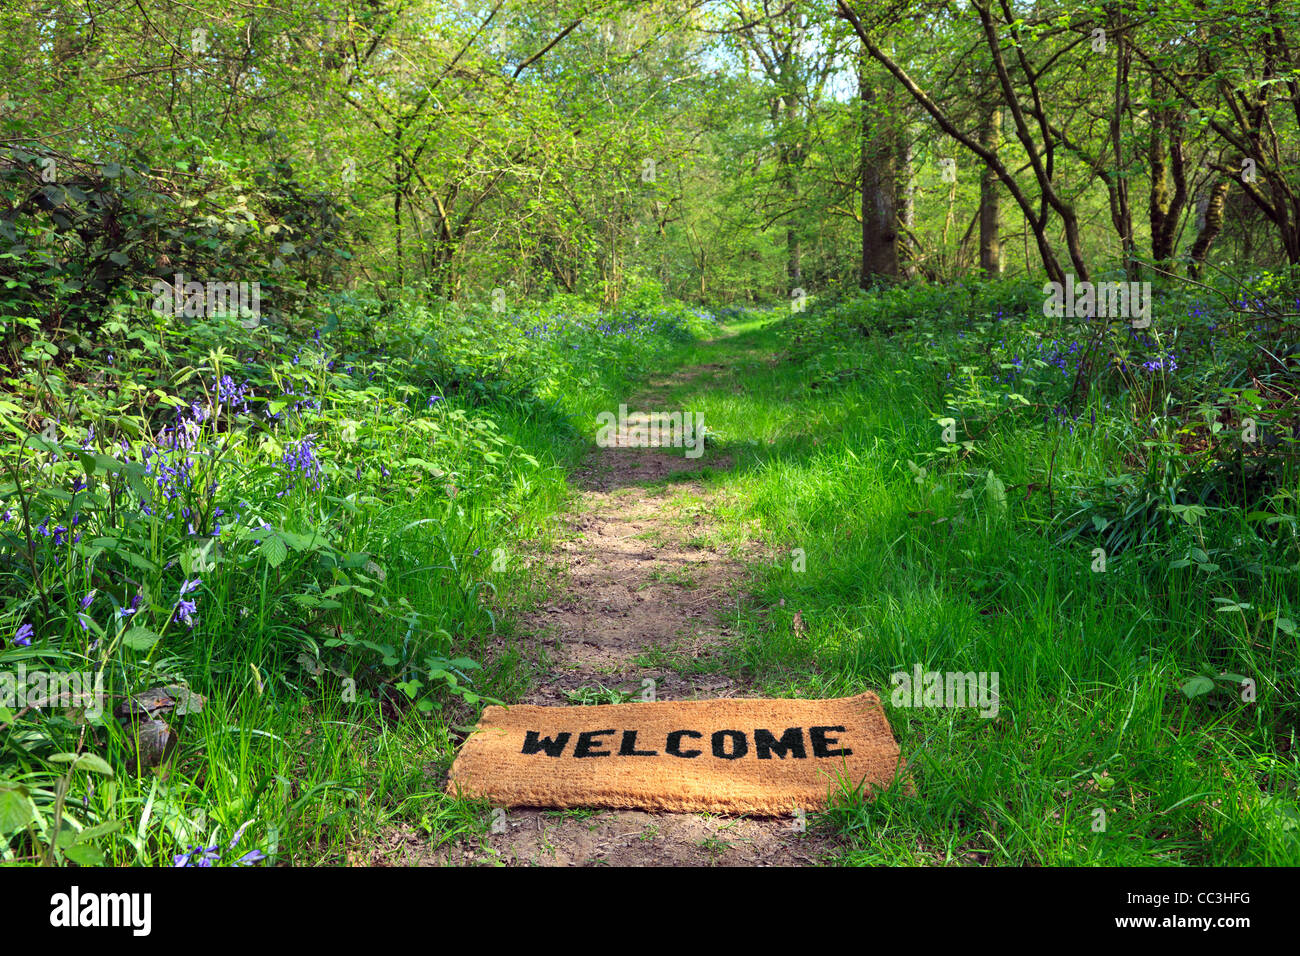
[(642, 588)]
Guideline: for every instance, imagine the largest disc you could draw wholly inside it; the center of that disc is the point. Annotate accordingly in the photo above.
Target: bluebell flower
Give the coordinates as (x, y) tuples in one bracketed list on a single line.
[(184, 609), (300, 458), (183, 612)]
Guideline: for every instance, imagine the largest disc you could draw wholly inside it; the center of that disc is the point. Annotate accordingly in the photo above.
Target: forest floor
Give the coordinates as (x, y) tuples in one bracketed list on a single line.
[(641, 587), (799, 556)]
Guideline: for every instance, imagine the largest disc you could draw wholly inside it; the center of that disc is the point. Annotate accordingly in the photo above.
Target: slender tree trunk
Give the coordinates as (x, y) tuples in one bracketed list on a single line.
[(399, 183), (1210, 227), (904, 198), (788, 159), (1121, 211), (990, 241), (1165, 208), (793, 249)]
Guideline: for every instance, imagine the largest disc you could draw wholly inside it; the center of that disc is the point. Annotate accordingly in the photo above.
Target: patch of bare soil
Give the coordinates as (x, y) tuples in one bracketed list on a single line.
[(641, 588), (617, 838)]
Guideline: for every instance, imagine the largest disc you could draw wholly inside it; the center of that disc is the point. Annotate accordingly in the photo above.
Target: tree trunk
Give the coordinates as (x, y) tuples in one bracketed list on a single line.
[(1121, 211), (397, 207), (990, 242), (1165, 208), (794, 252), (904, 197), (879, 184), (1210, 227)]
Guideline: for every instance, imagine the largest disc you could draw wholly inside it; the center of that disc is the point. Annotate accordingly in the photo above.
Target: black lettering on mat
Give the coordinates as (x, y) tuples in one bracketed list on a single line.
[(553, 747), (739, 744), (791, 743), (628, 747), (675, 743), (726, 744), (822, 744), (587, 740)]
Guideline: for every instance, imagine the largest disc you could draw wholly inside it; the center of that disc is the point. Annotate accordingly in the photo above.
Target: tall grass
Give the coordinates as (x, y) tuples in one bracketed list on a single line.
[(1124, 734), (315, 531)]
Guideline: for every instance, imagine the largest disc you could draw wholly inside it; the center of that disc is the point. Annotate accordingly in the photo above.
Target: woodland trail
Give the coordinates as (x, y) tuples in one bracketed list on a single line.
[(641, 590)]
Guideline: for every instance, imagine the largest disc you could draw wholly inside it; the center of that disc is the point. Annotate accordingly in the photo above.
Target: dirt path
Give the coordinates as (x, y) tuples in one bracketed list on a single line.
[(641, 587)]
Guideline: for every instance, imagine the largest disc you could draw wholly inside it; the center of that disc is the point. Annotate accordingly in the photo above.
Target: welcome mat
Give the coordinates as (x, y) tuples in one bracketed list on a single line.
[(764, 757)]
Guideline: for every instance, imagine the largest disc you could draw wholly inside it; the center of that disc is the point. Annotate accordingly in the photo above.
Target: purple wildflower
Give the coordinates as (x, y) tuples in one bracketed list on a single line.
[(184, 611), (301, 458), (128, 611)]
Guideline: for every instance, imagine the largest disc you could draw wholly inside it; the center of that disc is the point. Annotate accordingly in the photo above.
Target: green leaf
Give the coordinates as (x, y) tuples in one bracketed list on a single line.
[(16, 810), (99, 830), (139, 638), (1197, 686), (90, 762), (84, 855), (996, 490), (274, 551)]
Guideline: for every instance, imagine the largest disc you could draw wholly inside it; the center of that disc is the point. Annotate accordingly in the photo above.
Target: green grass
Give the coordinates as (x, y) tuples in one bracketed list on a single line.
[(599, 694), (1093, 727), (343, 630), (343, 649)]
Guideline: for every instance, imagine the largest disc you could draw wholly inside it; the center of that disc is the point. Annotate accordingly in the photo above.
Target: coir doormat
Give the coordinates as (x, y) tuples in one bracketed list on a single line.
[(764, 757)]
